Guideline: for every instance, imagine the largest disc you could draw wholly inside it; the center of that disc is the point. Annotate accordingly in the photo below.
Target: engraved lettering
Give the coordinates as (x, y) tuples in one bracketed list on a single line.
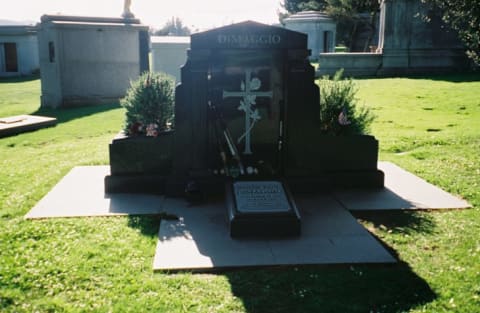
[(249, 39), (266, 196)]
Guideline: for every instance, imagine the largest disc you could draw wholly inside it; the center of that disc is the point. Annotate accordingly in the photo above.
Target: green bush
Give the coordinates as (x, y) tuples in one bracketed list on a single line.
[(339, 113), (149, 104)]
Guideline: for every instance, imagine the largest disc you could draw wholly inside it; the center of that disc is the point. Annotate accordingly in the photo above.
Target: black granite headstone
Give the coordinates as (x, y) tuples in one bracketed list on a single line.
[(247, 108), (243, 87), (239, 86)]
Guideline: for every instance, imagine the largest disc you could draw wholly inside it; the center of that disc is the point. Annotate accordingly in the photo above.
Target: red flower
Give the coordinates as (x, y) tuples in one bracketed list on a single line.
[(136, 128), (152, 130)]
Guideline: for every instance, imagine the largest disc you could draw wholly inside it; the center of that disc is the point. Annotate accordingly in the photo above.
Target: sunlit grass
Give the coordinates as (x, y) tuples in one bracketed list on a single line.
[(429, 126)]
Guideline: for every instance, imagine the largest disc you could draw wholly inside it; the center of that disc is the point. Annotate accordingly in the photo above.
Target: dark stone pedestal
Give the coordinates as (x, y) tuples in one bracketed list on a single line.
[(261, 208), (139, 164), (328, 162)]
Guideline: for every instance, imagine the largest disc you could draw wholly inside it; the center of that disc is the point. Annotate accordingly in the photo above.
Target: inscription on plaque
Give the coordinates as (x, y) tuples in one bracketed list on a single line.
[(260, 196)]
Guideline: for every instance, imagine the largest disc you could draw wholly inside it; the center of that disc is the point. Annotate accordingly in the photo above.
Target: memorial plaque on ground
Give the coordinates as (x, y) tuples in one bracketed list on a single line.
[(261, 208), (260, 196)]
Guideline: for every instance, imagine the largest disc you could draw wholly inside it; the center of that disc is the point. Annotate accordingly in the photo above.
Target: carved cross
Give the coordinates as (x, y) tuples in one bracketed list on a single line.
[(248, 94)]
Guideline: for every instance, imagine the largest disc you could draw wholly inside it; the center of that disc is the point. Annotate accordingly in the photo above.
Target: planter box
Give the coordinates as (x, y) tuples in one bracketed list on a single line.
[(334, 161), (144, 164), (139, 163), (141, 155)]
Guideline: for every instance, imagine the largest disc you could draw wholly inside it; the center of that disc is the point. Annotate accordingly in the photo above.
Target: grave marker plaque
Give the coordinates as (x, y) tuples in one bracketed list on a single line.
[(261, 208), (260, 197)]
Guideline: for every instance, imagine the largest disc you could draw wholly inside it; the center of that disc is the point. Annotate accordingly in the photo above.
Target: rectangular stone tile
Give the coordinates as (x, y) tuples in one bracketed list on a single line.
[(200, 240), (403, 190), (81, 193), (22, 123)]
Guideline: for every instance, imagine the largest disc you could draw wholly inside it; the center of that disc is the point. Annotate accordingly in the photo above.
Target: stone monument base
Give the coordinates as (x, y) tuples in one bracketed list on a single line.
[(261, 208), (13, 125)]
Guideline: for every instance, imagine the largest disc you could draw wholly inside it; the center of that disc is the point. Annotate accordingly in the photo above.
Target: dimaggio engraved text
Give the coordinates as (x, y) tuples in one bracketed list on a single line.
[(245, 40)]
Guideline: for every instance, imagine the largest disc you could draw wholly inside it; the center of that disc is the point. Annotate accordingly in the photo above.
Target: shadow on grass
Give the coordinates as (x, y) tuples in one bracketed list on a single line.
[(68, 114), (328, 288), (354, 288), (454, 77), (451, 77), (341, 288), (148, 225), (473, 76), (19, 79), (398, 221)]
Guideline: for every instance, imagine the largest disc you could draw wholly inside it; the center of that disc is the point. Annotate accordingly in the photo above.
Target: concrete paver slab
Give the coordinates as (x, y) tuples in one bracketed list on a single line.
[(200, 240), (13, 125), (81, 193), (403, 190)]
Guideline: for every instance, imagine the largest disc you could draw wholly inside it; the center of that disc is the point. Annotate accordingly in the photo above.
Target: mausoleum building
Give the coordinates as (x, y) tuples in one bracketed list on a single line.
[(89, 60), (408, 44), (169, 53), (18, 50), (320, 28)]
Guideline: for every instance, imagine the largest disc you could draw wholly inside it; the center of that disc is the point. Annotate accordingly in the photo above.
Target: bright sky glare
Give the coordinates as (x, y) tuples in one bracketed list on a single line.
[(197, 14)]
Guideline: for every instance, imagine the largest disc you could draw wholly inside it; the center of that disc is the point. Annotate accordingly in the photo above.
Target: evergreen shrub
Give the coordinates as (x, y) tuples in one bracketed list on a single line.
[(149, 104), (339, 110)]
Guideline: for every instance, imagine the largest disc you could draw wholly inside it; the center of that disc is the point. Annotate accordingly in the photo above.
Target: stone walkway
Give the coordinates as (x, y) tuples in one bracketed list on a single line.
[(199, 239)]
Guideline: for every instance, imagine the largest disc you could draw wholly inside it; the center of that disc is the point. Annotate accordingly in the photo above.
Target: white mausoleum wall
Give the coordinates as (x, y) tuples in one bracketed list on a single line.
[(25, 39), (169, 54)]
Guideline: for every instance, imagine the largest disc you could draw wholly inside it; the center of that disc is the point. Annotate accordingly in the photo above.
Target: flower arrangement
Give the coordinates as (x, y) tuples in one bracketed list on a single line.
[(339, 113), (149, 105)]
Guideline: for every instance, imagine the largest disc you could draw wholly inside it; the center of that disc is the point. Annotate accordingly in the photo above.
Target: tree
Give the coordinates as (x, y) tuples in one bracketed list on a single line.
[(463, 16), (294, 6), (174, 27), (347, 13), (353, 17)]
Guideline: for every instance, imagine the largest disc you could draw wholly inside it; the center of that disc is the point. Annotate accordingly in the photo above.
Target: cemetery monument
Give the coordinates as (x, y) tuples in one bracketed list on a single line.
[(247, 126)]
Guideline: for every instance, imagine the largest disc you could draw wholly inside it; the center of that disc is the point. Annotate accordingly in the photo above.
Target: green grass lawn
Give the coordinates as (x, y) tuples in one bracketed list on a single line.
[(429, 126)]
